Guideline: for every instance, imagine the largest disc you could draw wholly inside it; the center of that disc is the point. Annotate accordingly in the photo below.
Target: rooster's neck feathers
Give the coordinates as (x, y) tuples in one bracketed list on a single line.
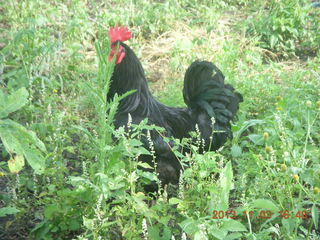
[(129, 75)]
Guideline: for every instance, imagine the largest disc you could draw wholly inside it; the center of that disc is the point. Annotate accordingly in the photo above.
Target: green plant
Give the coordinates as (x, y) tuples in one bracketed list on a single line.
[(103, 177), (285, 26), (91, 186), (19, 142)]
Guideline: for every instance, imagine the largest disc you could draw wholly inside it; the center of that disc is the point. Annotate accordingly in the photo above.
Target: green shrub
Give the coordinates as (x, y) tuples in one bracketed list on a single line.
[(286, 27)]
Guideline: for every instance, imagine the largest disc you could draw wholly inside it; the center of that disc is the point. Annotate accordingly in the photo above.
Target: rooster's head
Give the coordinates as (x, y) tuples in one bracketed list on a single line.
[(118, 34)]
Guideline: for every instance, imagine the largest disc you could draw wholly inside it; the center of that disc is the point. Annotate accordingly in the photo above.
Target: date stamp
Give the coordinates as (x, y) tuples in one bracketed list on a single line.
[(286, 214)]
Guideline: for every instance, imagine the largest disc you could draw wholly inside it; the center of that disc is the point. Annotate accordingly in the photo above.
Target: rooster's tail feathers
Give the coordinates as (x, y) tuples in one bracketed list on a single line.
[(204, 88)]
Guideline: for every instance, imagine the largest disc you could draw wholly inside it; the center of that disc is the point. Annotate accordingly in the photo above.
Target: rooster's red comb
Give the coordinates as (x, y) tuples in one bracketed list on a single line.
[(119, 34)]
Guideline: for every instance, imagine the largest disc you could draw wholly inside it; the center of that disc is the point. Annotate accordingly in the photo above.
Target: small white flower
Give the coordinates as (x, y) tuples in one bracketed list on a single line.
[(184, 236), (144, 229)]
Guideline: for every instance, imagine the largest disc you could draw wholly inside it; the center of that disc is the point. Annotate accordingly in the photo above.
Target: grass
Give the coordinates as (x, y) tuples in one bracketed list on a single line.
[(85, 185)]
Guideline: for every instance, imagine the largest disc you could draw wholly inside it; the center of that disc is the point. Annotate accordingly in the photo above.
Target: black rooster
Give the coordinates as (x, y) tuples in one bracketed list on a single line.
[(209, 101)]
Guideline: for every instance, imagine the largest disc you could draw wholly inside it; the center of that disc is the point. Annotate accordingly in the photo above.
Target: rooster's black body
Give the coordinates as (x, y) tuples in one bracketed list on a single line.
[(208, 101)]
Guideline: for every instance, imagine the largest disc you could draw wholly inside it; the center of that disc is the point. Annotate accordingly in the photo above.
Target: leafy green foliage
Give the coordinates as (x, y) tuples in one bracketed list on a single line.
[(286, 26), (7, 211), (13, 102), (16, 138)]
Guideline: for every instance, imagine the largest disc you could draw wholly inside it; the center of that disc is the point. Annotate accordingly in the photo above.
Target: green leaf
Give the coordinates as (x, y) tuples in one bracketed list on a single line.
[(274, 230), (289, 224), (315, 215), (256, 139), (17, 139), (226, 184), (233, 236), (135, 142), (74, 225), (27, 135), (148, 175), (233, 226), (35, 159), (10, 140), (8, 211), (189, 226), (80, 182), (13, 102), (218, 233), (40, 230), (273, 41), (51, 210), (144, 165), (141, 206), (265, 204), (166, 233), (173, 201), (244, 127), (154, 232), (16, 164), (236, 150)]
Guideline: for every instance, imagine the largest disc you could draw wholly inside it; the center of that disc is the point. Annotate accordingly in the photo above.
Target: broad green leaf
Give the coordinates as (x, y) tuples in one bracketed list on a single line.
[(16, 139), (40, 230), (35, 159), (218, 233), (154, 232), (141, 151), (148, 175), (274, 230), (265, 204), (289, 224), (16, 164), (25, 134), (232, 236), (256, 139), (236, 150), (244, 127), (189, 226), (145, 165), (13, 102), (8, 211), (135, 142), (233, 226), (51, 210), (141, 206), (10, 140), (174, 201), (74, 224)]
